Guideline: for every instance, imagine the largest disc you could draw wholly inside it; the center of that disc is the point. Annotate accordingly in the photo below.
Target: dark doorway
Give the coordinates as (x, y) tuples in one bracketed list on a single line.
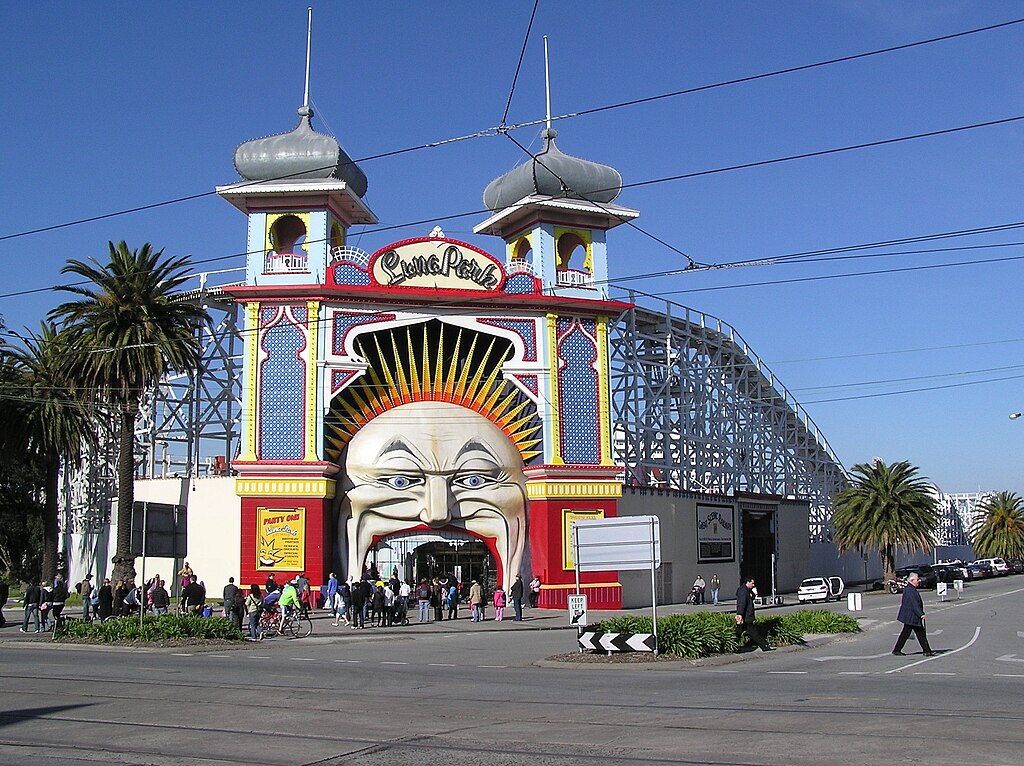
[(466, 562), (758, 547)]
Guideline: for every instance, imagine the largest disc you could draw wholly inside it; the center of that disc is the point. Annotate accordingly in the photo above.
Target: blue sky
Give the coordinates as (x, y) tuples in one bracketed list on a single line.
[(116, 105)]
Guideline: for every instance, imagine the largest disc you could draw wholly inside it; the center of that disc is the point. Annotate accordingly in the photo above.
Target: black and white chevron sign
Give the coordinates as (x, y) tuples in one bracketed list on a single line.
[(618, 642)]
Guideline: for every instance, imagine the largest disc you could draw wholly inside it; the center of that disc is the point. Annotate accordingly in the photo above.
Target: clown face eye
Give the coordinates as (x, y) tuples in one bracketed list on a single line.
[(399, 481), (473, 481)]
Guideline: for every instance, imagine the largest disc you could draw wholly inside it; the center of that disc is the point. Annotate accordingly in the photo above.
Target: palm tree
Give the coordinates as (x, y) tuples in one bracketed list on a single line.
[(129, 331), (43, 416), (885, 507), (999, 529)]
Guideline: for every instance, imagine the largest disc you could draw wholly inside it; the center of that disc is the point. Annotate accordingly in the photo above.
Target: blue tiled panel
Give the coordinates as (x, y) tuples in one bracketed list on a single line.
[(525, 329), (577, 394), (350, 274), (283, 391)]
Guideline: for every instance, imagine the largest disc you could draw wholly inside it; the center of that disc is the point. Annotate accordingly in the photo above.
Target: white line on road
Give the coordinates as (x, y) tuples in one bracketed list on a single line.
[(440, 665), (977, 632), (1009, 658), (1009, 675), (259, 656), (218, 656), (302, 659), (852, 657), (787, 672), (854, 672), (347, 660), (392, 662), (180, 654), (492, 666)]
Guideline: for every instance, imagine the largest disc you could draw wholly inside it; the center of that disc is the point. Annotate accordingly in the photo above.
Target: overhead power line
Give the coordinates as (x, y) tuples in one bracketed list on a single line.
[(504, 129)]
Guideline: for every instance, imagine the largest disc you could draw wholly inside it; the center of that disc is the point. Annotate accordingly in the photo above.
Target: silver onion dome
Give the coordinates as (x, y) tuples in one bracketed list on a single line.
[(302, 153), (554, 174)]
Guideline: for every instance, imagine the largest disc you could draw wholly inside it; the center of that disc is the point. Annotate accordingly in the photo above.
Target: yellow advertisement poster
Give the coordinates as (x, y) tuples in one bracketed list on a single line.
[(568, 517), (281, 539)]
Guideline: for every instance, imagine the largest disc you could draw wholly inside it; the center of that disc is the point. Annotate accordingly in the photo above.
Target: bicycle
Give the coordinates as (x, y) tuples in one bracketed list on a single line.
[(296, 625)]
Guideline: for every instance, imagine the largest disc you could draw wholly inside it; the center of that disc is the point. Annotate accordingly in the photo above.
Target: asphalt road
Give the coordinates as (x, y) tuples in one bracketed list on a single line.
[(466, 697)]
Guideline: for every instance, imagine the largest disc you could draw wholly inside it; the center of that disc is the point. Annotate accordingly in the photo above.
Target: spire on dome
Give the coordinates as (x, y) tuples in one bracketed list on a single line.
[(302, 154)]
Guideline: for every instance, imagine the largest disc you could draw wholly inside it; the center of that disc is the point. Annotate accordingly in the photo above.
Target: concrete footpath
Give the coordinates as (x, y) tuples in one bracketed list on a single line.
[(533, 619)]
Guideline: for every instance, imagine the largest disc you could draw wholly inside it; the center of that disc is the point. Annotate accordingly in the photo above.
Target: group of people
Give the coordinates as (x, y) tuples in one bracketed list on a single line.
[(699, 587)]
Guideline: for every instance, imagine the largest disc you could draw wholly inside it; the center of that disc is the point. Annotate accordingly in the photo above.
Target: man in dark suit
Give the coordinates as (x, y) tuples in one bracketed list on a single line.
[(745, 614), (911, 614)]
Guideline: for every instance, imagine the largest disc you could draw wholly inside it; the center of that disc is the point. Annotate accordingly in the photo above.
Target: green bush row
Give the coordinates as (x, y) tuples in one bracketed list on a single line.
[(165, 627), (702, 634)]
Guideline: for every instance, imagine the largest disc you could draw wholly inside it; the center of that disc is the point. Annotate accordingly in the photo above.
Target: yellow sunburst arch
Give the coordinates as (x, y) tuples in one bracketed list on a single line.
[(434, 362)]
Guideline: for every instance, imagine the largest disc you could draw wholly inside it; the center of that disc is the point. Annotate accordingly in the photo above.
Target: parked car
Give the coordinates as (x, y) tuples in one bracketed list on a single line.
[(979, 570), (926, 572), (813, 589), (948, 573), (1016, 565), (997, 565)]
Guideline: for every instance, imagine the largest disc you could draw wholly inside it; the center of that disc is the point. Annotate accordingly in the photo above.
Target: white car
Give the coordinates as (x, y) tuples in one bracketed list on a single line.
[(813, 589), (997, 565)]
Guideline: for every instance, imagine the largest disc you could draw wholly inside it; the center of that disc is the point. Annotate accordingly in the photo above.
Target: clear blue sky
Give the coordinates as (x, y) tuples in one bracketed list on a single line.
[(115, 105)]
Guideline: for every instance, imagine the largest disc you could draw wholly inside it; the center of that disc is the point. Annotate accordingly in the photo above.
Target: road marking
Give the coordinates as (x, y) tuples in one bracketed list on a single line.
[(180, 654), (440, 665), (852, 657), (977, 632), (259, 656), (1009, 658), (787, 672), (392, 662), (1009, 675), (1020, 634), (302, 659), (347, 660), (218, 656), (492, 666), (932, 673), (854, 672)]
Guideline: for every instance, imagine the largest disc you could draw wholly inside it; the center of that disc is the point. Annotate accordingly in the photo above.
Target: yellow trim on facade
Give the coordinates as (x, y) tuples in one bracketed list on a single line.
[(553, 402), (603, 392), (272, 218), (312, 370), (284, 487), (252, 344), (546, 490)]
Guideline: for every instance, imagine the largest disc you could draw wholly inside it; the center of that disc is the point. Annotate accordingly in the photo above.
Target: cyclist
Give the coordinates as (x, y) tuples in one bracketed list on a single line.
[(289, 600)]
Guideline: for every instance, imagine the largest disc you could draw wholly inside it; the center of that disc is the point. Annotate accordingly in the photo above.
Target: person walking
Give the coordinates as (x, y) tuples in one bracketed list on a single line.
[(516, 592), (499, 604), (716, 585), (452, 601), (534, 591), (911, 614), (437, 599), (33, 595), (105, 608), (229, 597), (253, 608), (359, 591), (698, 589), (476, 601), (745, 614)]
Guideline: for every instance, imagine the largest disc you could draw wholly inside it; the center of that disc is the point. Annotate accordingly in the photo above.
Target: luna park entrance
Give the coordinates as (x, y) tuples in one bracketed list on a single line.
[(416, 560)]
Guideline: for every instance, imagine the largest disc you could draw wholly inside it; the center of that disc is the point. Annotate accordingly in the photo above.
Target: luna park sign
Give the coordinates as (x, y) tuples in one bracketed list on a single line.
[(436, 263)]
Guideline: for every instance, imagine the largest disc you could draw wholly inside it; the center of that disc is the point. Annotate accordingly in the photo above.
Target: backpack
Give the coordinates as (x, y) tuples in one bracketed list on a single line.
[(78, 588), (423, 592)]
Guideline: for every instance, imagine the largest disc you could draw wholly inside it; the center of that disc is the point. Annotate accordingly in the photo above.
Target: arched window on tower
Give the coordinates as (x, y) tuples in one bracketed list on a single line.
[(337, 239), (521, 258), (287, 235), (574, 268)]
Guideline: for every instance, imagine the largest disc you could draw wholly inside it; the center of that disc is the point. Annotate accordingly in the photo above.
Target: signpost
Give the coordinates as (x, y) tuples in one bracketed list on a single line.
[(578, 610), (941, 590), (624, 542)]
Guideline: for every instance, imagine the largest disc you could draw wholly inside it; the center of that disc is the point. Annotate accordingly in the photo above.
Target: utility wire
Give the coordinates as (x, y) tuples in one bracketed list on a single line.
[(519, 65), (911, 390), (498, 130)]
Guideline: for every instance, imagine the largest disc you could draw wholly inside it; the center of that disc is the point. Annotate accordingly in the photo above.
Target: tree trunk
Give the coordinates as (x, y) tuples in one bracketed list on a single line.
[(51, 522), (888, 554), (124, 561)]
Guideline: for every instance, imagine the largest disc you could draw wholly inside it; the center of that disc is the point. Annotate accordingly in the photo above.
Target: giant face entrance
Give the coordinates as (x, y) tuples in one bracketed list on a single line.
[(423, 555)]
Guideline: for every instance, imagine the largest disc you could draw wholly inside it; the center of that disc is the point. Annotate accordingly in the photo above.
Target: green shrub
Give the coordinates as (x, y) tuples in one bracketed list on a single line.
[(702, 634), (163, 628)]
